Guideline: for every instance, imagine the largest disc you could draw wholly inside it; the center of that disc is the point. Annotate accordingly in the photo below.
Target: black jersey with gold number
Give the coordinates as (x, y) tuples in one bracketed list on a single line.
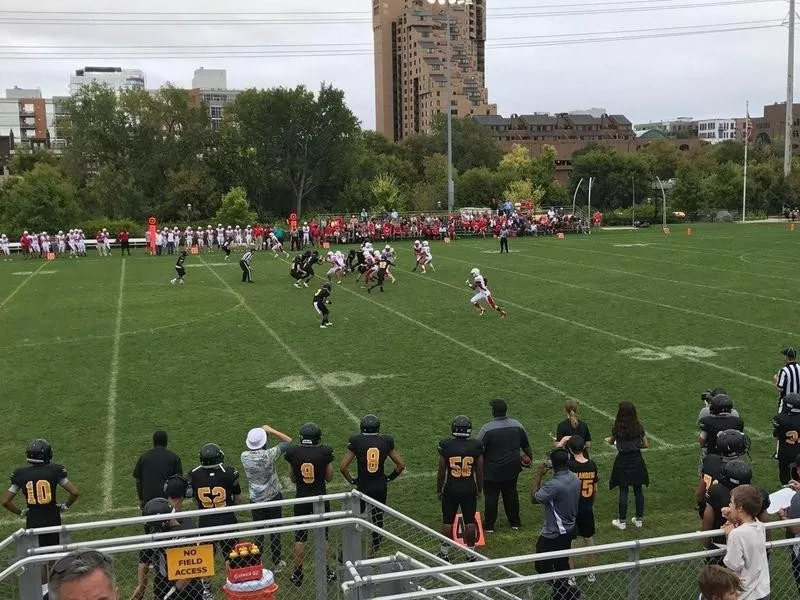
[(587, 473), (786, 428), (460, 454), (321, 296), (371, 451), (309, 464), (37, 484), (215, 487)]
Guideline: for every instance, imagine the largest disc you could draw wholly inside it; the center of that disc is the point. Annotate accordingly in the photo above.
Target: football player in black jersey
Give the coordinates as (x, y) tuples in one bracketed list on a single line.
[(216, 485), (321, 301), (308, 267), (38, 481), (226, 247), (310, 468), (297, 273), (459, 480), (180, 270), (371, 448), (383, 268), (720, 419), (786, 427), (586, 470), (731, 445)]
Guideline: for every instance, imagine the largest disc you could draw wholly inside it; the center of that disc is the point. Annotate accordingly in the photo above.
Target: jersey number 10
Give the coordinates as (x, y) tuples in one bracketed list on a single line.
[(39, 492)]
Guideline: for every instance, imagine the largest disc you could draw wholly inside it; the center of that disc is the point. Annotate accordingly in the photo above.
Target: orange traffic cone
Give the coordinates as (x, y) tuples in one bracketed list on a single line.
[(791, 226)]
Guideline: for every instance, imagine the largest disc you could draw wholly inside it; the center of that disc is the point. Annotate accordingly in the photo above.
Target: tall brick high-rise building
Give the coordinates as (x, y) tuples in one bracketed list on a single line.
[(411, 54)]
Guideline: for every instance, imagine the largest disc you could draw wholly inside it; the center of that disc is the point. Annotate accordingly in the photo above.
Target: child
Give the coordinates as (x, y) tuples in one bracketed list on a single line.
[(719, 583), (746, 553)]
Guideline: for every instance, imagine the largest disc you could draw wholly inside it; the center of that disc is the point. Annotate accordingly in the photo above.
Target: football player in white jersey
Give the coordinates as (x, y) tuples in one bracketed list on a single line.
[(45, 243), (61, 245), (479, 284), (4, 248), (337, 265), (276, 246), (425, 258), (389, 256), (107, 242)]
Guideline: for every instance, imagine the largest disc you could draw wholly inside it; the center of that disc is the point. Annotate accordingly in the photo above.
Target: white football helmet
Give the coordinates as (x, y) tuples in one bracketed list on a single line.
[(475, 272), (425, 243), (416, 242)]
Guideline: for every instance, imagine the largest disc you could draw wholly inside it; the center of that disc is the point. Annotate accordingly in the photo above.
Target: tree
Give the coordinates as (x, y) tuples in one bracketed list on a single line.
[(516, 162), (25, 160), (476, 187), (473, 145), (665, 158), (235, 208), (522, 190), (42, 199), (386, 194)]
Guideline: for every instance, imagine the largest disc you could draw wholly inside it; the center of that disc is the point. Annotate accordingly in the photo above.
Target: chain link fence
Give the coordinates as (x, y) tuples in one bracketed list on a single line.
[(358, 549)]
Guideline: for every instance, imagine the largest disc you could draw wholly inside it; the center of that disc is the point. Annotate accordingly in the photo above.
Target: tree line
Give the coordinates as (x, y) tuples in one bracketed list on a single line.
[(132, 154)]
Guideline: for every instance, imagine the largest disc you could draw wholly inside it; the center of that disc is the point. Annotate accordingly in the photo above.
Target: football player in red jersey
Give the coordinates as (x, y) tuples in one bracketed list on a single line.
[(482, 293)]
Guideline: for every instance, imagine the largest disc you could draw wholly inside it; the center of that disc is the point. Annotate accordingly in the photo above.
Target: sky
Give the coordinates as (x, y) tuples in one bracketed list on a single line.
[(705, 75)]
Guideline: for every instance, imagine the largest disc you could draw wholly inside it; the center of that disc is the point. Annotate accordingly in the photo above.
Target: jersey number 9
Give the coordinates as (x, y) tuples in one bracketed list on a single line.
[(39, 492), (461, 466), (307, 471), (212, 497)]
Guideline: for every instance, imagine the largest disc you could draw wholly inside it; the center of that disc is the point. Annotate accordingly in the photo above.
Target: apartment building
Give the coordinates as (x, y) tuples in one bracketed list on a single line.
[(210, 88), (116, 78)]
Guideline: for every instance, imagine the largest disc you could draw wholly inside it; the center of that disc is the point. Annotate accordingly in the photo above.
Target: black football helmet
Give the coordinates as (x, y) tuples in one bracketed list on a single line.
[(735, 473), (732, 443), (158, 506), (791, 402), (39, 451), (720, 404), (327, 286), (310, 434), (461, 427), (370, 424), (211, 455)]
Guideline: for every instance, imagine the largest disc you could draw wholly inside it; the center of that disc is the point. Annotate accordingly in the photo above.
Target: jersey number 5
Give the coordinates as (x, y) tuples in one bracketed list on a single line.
[(373, 460), (587, 488), (307, 471), (212, 497), (39, 492), (461, 466)]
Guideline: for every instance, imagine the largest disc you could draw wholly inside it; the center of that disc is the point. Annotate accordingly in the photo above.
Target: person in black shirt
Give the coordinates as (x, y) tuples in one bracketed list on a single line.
[(352, 261), (586, 470), (226, 248), (719, 419), (244, 263), (310, 468), (506, 450), (321, 301), (308, 267), (297, 273), (154, 467), (215, 485), (629, 470), (383, 265), (180, 270), (786, 428), (731, 445), (572, 425), (459, 480), (38, 481), (370, 449)]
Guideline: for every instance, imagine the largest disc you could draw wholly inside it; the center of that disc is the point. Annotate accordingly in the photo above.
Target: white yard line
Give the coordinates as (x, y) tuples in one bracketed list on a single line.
[(631, 298), (653, 277), (614, 335), (111, 421), (301, 363), (493, 359), (21, 285)]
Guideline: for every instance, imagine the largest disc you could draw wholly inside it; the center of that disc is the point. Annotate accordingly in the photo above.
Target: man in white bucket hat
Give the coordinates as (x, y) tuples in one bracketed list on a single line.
[(259, 461)]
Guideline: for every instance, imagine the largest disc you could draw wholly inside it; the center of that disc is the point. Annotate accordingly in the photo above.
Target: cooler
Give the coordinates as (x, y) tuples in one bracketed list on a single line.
[(268, 593)]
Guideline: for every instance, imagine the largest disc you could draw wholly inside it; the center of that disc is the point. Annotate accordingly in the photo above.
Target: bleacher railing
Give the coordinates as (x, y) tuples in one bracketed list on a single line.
[(398, 561)]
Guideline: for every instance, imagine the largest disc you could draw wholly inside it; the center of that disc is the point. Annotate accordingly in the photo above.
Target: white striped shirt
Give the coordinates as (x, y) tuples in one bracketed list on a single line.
[(247, 257), (789, 379)]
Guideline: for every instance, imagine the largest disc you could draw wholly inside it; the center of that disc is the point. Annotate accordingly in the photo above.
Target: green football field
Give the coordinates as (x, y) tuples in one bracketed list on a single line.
[(98, 353)]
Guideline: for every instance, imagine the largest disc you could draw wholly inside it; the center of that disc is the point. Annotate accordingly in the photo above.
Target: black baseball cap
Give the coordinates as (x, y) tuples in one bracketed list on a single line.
[(576, 443), (499, 407), (789, 352)]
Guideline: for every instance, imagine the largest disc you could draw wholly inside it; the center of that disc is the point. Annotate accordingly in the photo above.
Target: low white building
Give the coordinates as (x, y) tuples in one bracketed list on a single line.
[(718, 130), (115, 77)]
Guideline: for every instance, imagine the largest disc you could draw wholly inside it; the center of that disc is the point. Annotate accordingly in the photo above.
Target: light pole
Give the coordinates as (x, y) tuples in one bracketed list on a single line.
[(450, 184)]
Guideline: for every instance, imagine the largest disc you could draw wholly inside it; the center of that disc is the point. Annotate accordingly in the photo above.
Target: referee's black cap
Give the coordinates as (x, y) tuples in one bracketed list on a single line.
[(790, 352)]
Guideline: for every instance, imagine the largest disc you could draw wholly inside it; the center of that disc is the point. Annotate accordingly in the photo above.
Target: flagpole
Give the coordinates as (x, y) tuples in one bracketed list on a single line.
[(746, 144)]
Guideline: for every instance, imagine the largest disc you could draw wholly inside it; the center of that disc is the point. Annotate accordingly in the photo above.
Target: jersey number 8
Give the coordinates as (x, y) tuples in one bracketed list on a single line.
[(461, 466), (373, 460), (212, 497), (39, 492), (307, 471)]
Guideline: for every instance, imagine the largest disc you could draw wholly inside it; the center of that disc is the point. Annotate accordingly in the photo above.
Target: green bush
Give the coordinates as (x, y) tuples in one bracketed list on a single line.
[(92, 226)]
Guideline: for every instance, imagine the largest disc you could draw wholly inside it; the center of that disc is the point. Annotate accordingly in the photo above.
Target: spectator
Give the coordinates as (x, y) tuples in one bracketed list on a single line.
[(793, 512), (586, 470), (154, 467), (505, 449), (785, 426), (746, 553), (265, 486), (559, 496), (630, 470), (83, 574), (124, 241), (572, 425), (719, 583)]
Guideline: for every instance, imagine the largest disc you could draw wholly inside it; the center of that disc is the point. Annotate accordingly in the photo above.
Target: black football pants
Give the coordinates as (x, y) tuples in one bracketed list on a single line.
[(493, 490), (503, 244), (246, 272)]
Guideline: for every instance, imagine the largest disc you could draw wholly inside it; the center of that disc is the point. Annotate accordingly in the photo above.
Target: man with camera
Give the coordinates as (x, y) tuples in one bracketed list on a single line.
[(560, 497)]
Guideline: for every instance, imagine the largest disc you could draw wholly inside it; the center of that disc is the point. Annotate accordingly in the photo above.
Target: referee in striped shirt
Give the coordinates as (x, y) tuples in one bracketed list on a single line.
[(247, 272), (788, 378)]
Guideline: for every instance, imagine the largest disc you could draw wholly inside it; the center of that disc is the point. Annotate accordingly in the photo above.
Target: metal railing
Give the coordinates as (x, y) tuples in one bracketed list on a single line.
[(393, 562)]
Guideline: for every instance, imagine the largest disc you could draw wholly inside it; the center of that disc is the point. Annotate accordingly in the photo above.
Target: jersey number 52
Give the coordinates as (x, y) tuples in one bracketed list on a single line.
[(212, 497)]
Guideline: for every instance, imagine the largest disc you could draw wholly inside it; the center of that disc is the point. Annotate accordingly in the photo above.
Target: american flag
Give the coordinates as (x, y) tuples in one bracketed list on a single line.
[(748, 128)]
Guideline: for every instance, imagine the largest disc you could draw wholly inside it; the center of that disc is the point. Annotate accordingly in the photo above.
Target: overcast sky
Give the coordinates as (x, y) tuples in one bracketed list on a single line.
[(700, 76)]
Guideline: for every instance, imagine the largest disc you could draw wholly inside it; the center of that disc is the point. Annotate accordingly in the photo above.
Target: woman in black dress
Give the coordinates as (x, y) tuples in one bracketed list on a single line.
[(572, 425), (629, 437)]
